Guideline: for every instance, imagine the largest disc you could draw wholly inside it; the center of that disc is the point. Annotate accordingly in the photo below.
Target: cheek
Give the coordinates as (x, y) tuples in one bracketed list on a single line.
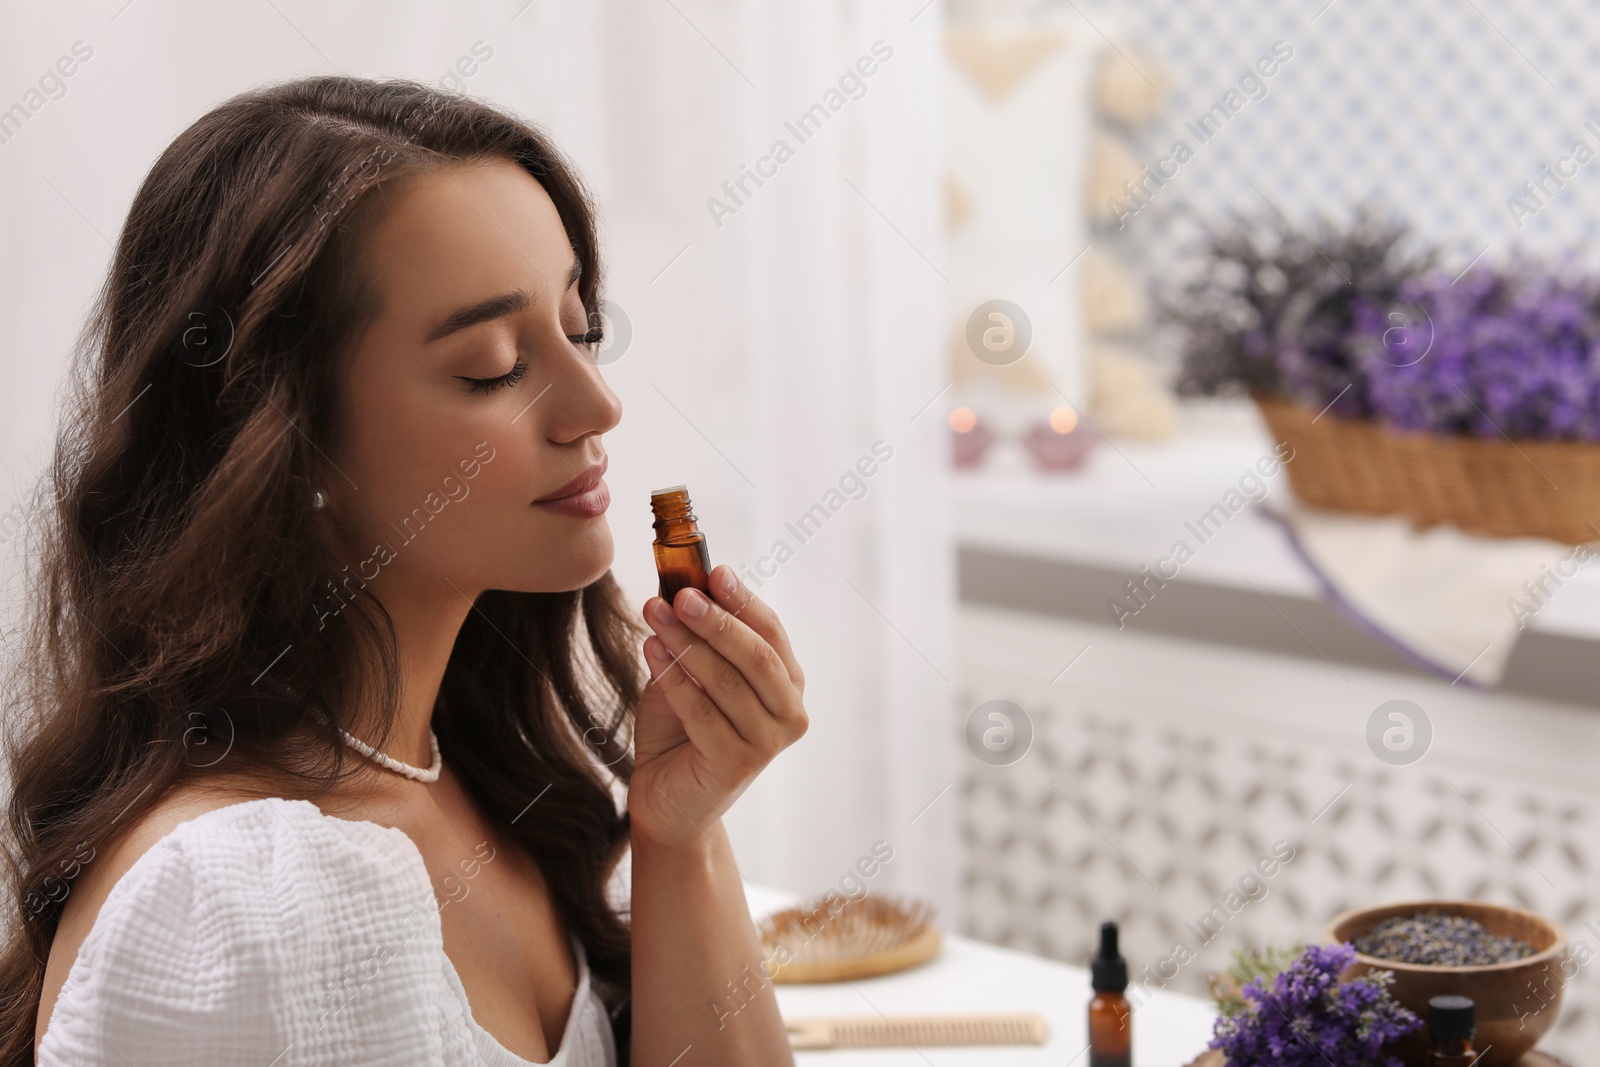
[(508, 471), (393, 460), (488, 474), (412, 472)]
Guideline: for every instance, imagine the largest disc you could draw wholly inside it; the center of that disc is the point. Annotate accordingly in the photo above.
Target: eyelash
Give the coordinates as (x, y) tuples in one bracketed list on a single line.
[(489, 385), (514, 375)]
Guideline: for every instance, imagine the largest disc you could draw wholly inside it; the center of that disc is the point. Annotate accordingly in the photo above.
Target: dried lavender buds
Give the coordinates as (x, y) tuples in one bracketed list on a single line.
[(1436, 939)]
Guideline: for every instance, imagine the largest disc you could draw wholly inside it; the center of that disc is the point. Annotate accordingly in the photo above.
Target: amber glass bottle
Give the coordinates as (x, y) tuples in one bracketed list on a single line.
[(681, 556), (1451, 1024), (1110, 1016)]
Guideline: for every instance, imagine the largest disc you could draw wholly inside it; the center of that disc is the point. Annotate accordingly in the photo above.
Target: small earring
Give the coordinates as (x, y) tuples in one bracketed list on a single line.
[(319, 499)]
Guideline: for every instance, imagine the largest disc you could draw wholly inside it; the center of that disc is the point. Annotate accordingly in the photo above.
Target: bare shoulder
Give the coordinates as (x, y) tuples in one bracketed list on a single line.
[(106, 867)]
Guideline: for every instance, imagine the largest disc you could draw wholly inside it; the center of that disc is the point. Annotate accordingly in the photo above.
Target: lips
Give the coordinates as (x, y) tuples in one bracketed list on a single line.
[(581, 484)]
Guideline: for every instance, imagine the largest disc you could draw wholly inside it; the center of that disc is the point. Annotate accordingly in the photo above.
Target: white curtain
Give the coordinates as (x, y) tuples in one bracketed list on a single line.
[(770, 354)]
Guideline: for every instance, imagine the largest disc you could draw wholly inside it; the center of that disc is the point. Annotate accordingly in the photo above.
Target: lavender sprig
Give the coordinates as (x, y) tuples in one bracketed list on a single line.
[(1355, 320), (1514, 352), (1308, 1018), (1271, 307)]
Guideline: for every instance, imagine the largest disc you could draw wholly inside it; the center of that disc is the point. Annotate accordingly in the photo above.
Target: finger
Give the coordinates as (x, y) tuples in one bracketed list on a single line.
[(739, 670), (754, 612), (708, 730), (657, 656), (652, 658), (722, 682)]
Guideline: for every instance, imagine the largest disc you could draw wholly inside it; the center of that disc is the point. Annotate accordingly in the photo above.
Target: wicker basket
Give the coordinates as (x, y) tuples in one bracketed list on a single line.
[(1490, 486)]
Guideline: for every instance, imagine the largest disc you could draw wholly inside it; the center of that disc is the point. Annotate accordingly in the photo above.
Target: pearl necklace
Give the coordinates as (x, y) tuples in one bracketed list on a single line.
[(430, 774)]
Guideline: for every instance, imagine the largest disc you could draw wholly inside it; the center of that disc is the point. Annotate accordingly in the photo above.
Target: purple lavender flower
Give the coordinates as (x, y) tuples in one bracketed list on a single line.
[(1268, 305), (1513, 353), (1308, 1018), (1356, 321)]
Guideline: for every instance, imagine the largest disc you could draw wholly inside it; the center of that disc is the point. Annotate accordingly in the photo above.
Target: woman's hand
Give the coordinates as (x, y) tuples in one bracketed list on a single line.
[(724, 698)]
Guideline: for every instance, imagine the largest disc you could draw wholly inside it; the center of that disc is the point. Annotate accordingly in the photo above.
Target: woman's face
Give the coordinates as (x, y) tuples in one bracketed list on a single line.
[(472, 401)]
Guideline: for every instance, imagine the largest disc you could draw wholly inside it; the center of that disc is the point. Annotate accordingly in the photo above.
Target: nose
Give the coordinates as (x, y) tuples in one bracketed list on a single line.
[(581, 402)]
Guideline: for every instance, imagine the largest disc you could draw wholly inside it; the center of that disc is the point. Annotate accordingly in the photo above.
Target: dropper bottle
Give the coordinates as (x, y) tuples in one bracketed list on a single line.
[(1110, 1018), (682, 559), (1452, 1022)]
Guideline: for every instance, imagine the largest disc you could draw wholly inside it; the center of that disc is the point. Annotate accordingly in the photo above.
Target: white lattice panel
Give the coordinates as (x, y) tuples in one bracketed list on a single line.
[(1161, 771), (1436, 108)]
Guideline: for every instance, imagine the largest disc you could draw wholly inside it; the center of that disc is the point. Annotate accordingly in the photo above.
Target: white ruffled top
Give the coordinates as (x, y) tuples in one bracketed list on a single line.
[(268, 934)]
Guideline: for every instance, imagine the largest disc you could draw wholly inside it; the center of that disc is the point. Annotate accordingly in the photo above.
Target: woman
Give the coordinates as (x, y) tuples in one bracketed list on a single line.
[(332, 693)]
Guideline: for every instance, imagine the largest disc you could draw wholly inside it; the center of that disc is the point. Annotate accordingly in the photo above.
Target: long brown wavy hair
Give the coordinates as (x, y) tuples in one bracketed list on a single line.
[(179, 572)]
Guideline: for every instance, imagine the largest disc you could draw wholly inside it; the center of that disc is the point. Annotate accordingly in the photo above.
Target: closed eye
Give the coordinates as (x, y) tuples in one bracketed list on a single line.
[(489, 385)]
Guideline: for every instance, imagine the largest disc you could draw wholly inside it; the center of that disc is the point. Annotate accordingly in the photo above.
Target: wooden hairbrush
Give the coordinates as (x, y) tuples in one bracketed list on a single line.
[(859, 938), (917, 1031)]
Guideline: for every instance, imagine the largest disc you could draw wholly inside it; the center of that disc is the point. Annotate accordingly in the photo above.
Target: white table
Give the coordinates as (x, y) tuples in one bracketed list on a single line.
[(967, 976)]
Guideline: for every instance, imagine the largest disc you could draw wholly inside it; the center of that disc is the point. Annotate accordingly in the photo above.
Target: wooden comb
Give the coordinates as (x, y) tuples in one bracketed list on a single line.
[(862, 938), (916, 1031)]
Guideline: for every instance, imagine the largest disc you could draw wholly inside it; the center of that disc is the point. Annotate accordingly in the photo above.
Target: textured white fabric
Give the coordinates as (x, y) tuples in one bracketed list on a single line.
[(267, 933), (1446, 597)]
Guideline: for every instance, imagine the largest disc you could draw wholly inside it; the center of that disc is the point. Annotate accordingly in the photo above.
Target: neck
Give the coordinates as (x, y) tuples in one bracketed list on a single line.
[(427, 620)]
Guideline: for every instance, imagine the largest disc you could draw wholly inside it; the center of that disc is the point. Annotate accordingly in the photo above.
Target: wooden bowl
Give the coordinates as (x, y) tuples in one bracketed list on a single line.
[(1517, 1002)]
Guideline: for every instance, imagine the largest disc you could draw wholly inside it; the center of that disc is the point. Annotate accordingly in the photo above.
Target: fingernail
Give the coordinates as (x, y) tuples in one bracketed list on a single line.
[(727, 581), (694, 603), (661, 614), (658, 651)]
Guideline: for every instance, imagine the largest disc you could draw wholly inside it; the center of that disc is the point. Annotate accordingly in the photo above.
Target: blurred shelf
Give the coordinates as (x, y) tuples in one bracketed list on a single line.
[(1063, 544)]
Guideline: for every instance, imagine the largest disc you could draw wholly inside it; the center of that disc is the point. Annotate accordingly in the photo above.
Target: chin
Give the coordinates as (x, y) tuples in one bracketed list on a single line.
[(587, 565), (564, 580), (556, 564)]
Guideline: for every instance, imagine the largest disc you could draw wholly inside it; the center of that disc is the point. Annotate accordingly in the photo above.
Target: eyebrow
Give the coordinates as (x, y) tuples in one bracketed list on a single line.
[(492, 308)]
